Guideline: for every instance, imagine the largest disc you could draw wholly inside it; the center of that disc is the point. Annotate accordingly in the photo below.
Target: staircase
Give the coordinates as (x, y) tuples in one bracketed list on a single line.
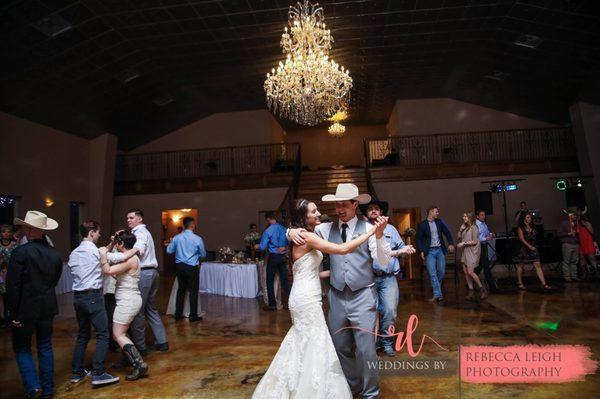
[(315, 184)]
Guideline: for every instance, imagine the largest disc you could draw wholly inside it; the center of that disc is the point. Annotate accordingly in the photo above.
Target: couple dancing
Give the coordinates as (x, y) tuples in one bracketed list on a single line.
[(314, 361)]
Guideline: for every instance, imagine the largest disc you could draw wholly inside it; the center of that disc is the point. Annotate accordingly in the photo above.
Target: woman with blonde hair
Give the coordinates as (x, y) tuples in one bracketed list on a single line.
[(468, 242)]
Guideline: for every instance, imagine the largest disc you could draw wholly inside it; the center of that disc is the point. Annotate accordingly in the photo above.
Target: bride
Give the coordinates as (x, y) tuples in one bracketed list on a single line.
[(306, 364)]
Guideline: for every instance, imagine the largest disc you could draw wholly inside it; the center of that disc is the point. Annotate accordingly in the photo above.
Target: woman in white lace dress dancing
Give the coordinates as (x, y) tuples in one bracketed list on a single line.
[(306, 364)]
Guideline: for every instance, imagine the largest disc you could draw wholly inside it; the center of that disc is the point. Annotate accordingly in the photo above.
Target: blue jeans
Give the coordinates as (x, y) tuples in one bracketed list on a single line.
[(436, 267), (388, 295), (21, 337), (90, 311)]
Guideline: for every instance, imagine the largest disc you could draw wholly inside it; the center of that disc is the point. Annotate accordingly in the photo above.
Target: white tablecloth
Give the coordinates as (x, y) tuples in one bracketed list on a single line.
[(237, 280), (262, 268), (65, 284), (186, 302)]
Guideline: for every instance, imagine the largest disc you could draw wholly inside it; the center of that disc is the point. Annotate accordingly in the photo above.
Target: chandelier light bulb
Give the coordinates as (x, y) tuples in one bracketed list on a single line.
[(337, 130)]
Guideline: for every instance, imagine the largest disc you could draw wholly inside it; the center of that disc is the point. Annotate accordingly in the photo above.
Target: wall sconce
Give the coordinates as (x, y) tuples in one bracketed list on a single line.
[(176, 218), (48, 201)]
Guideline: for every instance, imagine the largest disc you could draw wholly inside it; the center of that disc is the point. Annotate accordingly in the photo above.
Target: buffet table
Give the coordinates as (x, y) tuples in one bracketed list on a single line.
[(229, 279), (262, 273), (186, 302)]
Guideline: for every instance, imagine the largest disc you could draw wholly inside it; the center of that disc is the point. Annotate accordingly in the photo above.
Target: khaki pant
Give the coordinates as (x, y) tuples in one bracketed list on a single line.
[(570, 254)]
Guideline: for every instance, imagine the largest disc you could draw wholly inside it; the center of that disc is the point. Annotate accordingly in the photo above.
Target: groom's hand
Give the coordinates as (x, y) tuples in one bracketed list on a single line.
[(296, 236), (381, 223)]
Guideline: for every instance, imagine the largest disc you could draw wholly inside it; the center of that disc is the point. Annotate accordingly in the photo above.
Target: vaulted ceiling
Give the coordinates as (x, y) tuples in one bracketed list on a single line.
[(142, 68)]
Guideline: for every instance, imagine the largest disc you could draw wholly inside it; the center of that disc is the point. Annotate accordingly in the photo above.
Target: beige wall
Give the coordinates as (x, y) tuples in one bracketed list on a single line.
[(40, 162), (320, 150), (446, 115), (455, 196), (102, 158), (218, 130), (586, 129), (223, 216)]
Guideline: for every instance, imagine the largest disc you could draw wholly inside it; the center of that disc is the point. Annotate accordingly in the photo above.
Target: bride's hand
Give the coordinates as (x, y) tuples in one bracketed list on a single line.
[(380, 226)]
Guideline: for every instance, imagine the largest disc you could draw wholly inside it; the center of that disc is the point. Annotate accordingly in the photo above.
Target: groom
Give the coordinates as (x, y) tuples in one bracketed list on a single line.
[(353, 296)]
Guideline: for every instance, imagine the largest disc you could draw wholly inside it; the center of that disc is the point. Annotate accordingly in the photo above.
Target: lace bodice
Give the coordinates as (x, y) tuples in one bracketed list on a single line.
[(307, 285)]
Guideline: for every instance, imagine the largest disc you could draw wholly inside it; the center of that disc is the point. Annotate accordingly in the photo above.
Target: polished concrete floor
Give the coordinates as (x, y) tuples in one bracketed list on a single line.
[(224, 355)]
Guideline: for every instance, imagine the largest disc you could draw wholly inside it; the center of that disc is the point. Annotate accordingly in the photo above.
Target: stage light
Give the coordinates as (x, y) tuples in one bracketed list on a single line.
[(562, 185), (511, 187), (495, 188), (579, 183)]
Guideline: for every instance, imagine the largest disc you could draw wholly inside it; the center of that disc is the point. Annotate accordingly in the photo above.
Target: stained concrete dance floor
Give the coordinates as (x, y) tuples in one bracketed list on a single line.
[(224, 355)]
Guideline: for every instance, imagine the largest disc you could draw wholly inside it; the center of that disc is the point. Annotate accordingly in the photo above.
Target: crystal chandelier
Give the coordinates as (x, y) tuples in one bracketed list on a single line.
[(337, 130), (308, 87)]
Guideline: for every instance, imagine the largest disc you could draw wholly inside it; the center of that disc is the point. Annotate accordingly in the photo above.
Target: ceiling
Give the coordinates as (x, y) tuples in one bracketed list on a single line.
[(189, 59)]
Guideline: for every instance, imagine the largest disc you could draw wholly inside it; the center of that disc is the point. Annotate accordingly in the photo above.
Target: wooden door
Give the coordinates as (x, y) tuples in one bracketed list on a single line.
[(404, 219)]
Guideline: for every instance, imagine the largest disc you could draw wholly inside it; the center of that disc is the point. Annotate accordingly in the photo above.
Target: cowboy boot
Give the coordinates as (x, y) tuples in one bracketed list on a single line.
[(482, 293), (471, 295), (140, 368)]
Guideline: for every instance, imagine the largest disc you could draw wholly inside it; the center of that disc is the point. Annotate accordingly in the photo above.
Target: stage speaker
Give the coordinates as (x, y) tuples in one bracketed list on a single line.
[(575, 197), (483, 201)]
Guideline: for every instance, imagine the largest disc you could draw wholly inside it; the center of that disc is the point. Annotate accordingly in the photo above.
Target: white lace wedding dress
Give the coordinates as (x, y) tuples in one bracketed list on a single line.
[(306, 365)]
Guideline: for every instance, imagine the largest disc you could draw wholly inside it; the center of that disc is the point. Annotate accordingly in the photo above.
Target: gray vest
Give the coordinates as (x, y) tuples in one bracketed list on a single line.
[(354, 269)]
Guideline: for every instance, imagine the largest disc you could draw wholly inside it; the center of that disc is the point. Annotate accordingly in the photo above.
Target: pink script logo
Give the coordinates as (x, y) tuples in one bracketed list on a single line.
[(402, 338)]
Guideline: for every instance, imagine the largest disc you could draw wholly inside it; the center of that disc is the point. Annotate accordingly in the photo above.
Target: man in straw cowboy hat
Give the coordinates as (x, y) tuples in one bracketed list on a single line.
[(568, 232), (33, 272), (388, 292), (353, 296)]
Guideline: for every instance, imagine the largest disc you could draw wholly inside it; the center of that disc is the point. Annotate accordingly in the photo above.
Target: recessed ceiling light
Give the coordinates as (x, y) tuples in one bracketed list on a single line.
[(52, 25), (127, 76), (529, 41), (498, 75), (163, 100)]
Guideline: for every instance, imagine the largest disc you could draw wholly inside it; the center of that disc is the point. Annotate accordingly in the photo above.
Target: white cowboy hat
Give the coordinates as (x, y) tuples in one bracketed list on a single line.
[(38, 220), (347, 192)]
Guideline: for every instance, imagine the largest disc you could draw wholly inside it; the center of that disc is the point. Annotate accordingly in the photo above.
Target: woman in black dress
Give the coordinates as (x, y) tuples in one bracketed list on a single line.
[(529, 252)]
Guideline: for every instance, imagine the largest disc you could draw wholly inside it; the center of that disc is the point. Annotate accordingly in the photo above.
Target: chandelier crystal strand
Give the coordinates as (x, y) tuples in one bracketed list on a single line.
[(307, 87)]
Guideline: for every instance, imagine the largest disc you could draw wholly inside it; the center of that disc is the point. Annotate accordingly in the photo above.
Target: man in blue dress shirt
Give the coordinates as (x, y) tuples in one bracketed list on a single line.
[(386, 282), (485, 236), (274, 242), (188, 248)]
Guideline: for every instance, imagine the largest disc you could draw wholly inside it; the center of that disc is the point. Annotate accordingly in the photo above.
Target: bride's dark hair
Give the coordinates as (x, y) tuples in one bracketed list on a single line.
[(298, 214)]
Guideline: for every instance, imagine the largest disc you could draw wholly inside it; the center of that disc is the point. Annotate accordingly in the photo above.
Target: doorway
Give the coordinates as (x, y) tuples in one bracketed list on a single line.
[(172, 224), (406, 219)]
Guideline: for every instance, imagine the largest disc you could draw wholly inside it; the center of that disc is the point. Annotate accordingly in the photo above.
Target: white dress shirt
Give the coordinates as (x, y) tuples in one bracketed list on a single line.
[(109, 283), (145, 244), (379, 247), (84, 263)]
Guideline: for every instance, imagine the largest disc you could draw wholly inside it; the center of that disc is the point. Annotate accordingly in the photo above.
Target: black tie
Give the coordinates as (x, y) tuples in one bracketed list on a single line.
[(344, 227)]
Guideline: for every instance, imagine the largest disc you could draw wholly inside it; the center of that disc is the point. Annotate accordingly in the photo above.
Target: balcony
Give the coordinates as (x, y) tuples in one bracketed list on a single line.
[(487, 153), (227, 168)]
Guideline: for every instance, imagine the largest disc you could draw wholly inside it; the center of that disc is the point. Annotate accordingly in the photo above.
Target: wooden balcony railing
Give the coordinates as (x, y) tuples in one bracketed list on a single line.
[(472, 147), (228, 161)]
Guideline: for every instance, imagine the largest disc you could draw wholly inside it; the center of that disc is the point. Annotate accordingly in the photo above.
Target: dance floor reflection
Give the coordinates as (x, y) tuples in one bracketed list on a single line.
[(224, 355)]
